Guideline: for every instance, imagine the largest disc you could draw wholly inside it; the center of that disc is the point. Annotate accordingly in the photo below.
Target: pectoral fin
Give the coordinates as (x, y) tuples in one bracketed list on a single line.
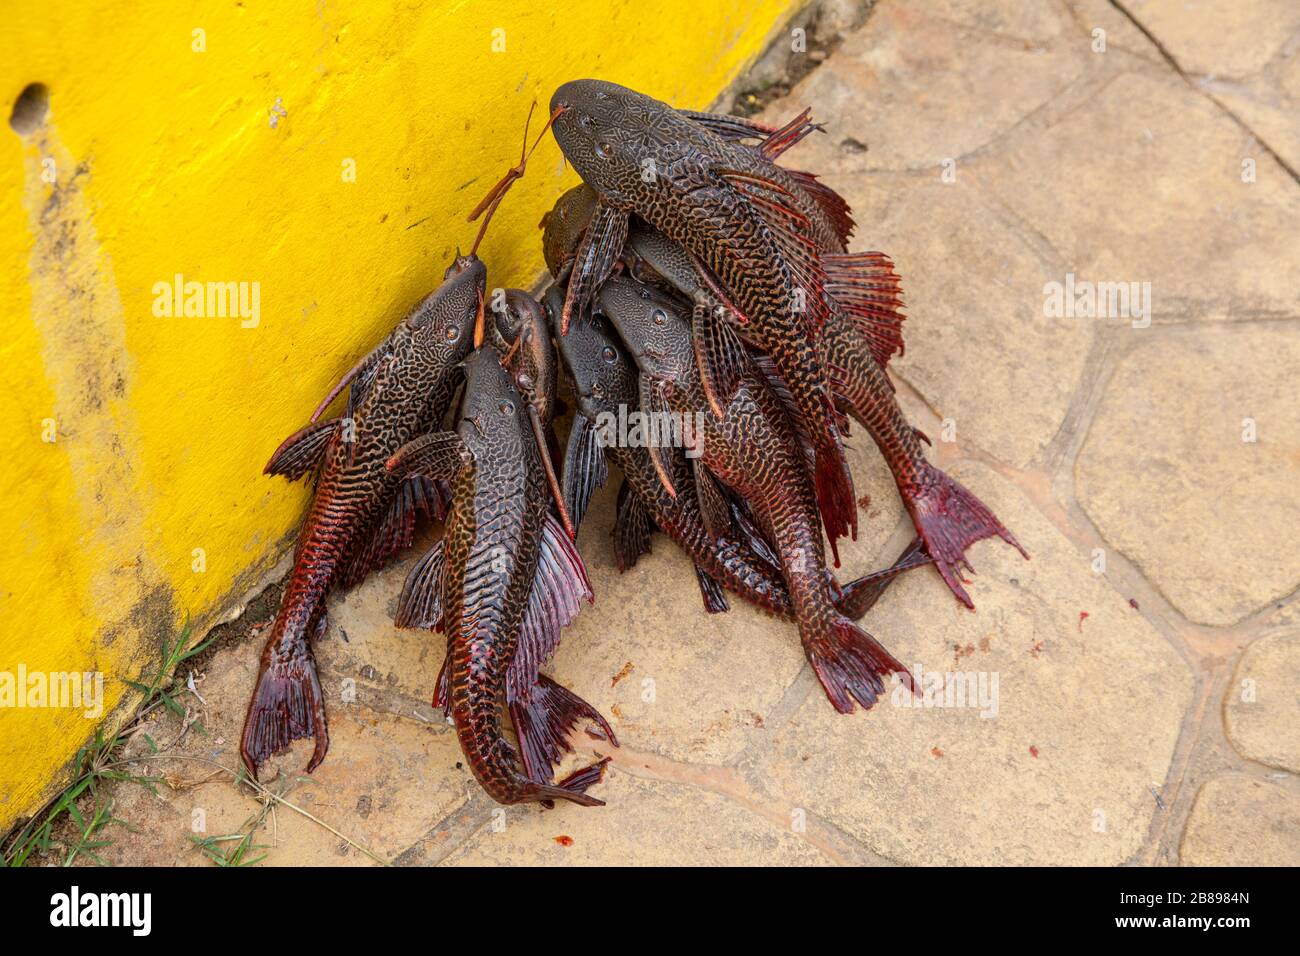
[(714, 509), (585, 468), (436, 456), (303, 451), (599, 250), (655, 406)]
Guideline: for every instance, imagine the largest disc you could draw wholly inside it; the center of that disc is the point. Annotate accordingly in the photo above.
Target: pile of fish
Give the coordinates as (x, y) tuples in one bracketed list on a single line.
[(704, 293)]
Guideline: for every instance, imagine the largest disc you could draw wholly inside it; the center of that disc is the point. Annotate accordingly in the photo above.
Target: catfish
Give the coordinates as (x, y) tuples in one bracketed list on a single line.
[(502, 584), (361, 513), (753, 448), (521, 330), (739, 222)]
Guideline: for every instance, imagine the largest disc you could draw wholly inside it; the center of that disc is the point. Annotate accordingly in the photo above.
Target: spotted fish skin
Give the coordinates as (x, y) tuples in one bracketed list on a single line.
[(520, 326), (605, 380), (643, 157), (494, 527), (401, 390), (563, 226), (501, 611), (753, 449)]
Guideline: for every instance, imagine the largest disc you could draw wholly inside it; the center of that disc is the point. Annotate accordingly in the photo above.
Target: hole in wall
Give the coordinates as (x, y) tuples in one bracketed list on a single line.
[(30, 109)]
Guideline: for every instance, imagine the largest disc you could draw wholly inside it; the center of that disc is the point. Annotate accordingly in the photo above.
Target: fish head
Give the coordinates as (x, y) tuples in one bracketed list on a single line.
[(604, 375), (652, 324), (492, 412), (440, 329), (519, 328), (619, 140), (563, 226)]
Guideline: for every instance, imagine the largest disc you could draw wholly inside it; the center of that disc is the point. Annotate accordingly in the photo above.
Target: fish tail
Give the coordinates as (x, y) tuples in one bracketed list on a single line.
[(861, 594), (851, 665), (287, 705), (572, 788), (544, 720), (949, 520)]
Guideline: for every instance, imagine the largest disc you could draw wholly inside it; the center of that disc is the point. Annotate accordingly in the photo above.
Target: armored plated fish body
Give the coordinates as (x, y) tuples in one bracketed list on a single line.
[(502, 584), (361, 514)]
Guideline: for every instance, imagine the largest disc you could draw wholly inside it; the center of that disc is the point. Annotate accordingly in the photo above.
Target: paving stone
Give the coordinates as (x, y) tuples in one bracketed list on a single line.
[(1169, 481), (1010, 18), (1088, 711), (1120, 33), (1163, 202), (1220, 39), (915, 88), (1262, 706), (1240, 821), (646, 823), (1268, 103), (385, 782), (396, 667)]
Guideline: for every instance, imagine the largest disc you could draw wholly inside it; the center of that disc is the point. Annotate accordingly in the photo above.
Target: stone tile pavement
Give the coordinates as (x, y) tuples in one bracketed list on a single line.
[(1133, 686)]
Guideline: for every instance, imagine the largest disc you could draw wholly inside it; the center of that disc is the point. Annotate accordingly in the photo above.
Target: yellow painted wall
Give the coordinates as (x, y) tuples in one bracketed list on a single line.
[(227, 164)]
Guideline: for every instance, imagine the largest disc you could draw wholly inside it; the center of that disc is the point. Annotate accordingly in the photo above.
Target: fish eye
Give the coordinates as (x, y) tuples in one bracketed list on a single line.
[(506, 407), (603, 149), (608, 354), (451, 334), (659, 316)]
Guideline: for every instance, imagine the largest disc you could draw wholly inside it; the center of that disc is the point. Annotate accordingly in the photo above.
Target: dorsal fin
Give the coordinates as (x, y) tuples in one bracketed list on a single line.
[(789, 135), (774, 205), (869, 293), (832, 204), (420, 604)]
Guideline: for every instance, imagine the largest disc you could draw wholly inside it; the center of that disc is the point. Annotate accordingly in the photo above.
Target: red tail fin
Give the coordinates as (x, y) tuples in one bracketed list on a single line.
[(852, 665), (573, 787), (543, 722), (286, 706), (861, 594), (949, 520)]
